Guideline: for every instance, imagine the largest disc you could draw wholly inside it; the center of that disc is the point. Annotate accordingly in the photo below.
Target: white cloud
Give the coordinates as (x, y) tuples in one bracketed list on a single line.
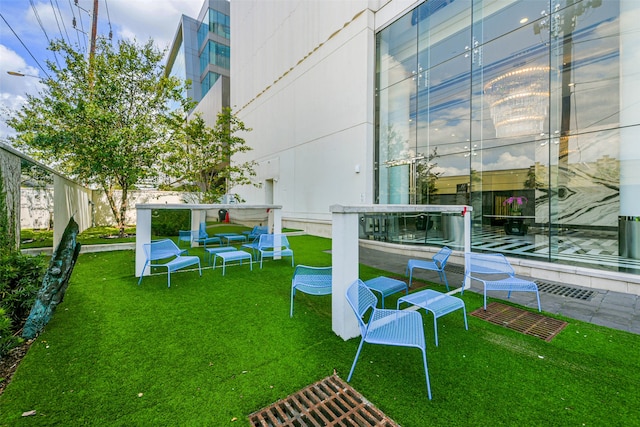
[(131, 19), (13, 89), (509, 161), (145, 19)]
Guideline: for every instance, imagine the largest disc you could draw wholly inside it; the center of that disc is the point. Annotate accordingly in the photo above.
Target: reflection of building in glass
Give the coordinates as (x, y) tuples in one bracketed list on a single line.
[(518, 98)]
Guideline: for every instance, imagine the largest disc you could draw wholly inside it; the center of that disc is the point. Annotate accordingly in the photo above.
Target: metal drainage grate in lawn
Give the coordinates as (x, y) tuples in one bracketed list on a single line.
[(564, 291), (329, 402), (520, 320)]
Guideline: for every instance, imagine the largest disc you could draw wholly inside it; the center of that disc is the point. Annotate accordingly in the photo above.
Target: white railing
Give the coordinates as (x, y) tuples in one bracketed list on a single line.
[(345, 256)]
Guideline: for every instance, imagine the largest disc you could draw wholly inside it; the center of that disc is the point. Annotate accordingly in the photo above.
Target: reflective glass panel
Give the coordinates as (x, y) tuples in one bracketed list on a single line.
[(527, 111)]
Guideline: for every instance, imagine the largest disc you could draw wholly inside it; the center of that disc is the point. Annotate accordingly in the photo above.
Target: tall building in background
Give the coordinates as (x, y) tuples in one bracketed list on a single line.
[(201, 53)]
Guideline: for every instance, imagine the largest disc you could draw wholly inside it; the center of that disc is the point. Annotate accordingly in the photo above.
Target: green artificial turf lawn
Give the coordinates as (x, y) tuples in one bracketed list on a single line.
[(211, 350)]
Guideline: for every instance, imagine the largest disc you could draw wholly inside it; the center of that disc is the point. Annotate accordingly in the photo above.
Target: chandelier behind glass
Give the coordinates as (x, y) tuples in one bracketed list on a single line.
[(519, 101)]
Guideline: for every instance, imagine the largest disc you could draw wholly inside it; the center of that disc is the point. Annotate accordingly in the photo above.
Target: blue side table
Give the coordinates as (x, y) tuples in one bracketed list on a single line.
[(386, 286), (217, 250), (437, 303)]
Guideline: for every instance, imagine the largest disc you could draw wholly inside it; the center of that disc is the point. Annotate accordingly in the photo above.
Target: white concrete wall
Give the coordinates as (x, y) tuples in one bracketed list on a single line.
[(103, 215), (37, 205), (303, 79), (69, 200), (211, 104), (10, 174)]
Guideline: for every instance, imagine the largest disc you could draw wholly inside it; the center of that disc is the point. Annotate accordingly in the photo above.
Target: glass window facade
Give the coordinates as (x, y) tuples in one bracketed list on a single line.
[(209, 80), (178, 70), (213, 42), (214, 22), (523, 110), (215, 54)]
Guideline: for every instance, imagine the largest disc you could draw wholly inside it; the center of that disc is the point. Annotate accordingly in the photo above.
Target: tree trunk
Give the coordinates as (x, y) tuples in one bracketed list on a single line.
[(119, 213), (122, 216)]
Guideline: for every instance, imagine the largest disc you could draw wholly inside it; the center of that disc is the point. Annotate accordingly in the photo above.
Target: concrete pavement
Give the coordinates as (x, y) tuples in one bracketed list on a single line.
[(601, 307)]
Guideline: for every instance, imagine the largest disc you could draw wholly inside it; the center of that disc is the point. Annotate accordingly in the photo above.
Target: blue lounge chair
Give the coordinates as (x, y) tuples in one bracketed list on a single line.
[(310, 280), (491, 269), (184, 236), (173, 258), (272, 245), (256, 232), (203, 238), (389, 327), (438, 263)]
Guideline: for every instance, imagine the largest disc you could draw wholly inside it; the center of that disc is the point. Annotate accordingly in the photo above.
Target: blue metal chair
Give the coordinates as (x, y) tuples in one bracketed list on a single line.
[(184, 236), (272, 245), (167, 255), (438, 263), (491, 269), (253, 245), (389, 327), (310, 280), (256, 232), (203, 238)]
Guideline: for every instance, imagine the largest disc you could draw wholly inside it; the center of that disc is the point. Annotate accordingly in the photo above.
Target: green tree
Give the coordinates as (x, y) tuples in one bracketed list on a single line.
[(203, 157), (104, 123)]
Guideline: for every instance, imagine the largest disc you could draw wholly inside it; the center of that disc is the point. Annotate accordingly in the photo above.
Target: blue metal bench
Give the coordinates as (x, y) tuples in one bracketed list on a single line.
[(217, 250), (229, 238), (437, 303), (386, 286), (174, 258), (232, 256)]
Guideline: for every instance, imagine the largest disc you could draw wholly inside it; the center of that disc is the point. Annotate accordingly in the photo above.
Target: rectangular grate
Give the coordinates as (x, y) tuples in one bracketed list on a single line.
[(453, 268), (565, 291), (520, 320), (329, 402)]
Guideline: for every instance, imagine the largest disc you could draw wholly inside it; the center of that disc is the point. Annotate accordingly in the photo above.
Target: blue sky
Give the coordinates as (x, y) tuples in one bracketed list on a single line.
[(23, 37)]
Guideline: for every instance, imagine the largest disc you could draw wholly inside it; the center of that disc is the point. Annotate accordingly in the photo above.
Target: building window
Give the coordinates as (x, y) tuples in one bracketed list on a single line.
[(209, 80), (215, 54), (214, 22), (480, 101)]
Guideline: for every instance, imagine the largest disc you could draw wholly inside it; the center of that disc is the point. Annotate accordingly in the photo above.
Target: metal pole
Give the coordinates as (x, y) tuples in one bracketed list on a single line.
[(94, 30)]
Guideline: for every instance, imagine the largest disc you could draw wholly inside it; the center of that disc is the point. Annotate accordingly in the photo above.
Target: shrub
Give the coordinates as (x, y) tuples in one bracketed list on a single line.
[(169, 222), (7, 339), (20, 280)]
